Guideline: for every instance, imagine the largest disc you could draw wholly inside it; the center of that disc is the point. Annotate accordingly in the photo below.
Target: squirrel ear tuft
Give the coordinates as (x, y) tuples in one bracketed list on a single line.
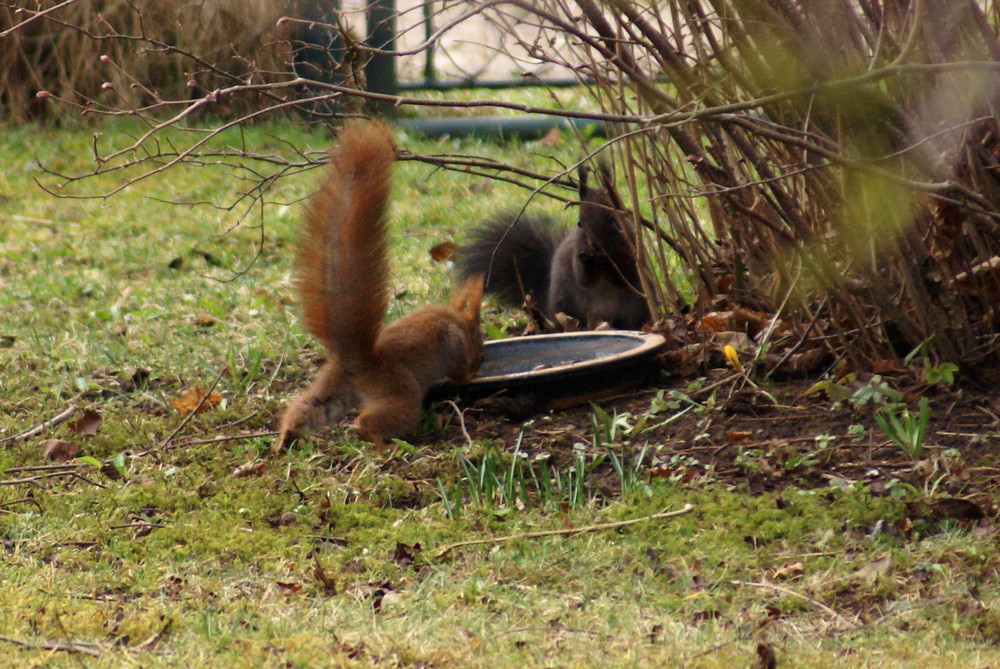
[(581, 174)]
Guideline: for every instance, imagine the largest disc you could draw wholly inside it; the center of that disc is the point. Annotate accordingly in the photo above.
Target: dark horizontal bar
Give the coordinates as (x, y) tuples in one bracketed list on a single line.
[(502, 127), (459, 84)]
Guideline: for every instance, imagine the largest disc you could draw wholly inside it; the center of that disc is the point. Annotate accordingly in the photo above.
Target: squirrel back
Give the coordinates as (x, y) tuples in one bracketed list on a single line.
[(590, 272), (383, 371)]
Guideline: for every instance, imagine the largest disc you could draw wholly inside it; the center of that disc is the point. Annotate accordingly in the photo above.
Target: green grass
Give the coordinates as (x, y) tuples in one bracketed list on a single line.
[(326, 556)]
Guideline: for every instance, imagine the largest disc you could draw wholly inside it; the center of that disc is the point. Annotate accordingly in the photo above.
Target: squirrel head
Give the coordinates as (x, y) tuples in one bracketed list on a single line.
[(602, 219)]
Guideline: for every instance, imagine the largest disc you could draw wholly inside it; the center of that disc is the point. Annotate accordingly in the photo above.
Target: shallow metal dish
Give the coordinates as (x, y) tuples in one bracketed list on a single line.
[(560, 370)]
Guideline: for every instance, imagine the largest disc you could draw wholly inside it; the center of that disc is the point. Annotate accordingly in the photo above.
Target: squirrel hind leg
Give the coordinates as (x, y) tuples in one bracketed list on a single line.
[(307, 414), (387, 419), (321, 405), (390, 401)]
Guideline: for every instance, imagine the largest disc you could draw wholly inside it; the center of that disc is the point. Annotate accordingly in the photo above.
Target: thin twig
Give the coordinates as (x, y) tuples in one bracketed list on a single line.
[(71, 647), (36, 15), (128, 526), (564, 532), (191, 413), (221, 438), (42, 468), (461, 420), (39, 477), (38, 429), (24, 500), (777, 588)]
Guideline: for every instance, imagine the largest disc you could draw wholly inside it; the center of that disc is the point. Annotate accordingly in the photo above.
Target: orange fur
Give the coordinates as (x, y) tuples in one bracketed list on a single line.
[(383, 371)]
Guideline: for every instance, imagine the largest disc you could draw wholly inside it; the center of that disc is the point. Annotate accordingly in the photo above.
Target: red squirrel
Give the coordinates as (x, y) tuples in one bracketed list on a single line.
[(383, 371), (590, 273)]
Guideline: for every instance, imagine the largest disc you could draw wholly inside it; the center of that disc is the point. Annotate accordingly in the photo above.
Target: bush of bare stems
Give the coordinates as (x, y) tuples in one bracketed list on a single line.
[(832, 161)]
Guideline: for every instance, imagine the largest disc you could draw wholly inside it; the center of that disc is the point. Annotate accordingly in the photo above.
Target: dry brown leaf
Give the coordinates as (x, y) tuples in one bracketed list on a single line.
[(189, 401), (443, 251), (567, 323), (250, 468), (739, 436), (716, 321), (740, 342), (288, 588), (766, 659), (789, 571), (204, 320), (58, 450), (87, 424), (804, 363), (878, 567), (750, 322), (886, 367)]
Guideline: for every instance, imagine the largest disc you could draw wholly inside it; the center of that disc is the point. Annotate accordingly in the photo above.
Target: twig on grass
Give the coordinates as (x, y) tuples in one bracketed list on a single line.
[(788, 591), (137, 526), (50, 475), (24, 500), (233, 437), (564, 532), (38, 429), (71, 647), (149, 643), (461, 421), (571, 630), (42, 468)]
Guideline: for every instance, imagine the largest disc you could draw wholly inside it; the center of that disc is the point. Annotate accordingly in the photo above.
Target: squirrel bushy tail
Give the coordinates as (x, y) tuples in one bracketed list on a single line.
[(514, 254), (345, 231), (382, 370)]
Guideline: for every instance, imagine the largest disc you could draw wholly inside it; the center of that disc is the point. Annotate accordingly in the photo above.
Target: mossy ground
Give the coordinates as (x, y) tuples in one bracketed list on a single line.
[(214, 553)]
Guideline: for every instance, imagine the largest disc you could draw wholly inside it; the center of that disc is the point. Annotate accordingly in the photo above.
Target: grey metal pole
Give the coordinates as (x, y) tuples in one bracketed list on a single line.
[(380, 72)]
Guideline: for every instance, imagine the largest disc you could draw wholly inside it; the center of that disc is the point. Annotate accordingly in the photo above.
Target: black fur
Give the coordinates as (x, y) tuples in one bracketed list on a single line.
[(590, 272)]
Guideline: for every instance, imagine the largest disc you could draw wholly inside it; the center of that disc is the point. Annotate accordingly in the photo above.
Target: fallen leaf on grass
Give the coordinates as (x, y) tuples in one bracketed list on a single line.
[(404, 554), (249, 468), (766, 659), (947, 508), (877, 567), (789, 571), (798, 365), (189, 401), (328, 584), (288, 588), (679, 473), (204, 320), (732, 358), (87, 424), (443, 251), (739, 436), (58, 450), (957, 509)]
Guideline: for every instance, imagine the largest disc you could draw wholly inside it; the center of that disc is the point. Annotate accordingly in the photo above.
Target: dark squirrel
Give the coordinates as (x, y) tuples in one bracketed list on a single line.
[(590, 273)]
